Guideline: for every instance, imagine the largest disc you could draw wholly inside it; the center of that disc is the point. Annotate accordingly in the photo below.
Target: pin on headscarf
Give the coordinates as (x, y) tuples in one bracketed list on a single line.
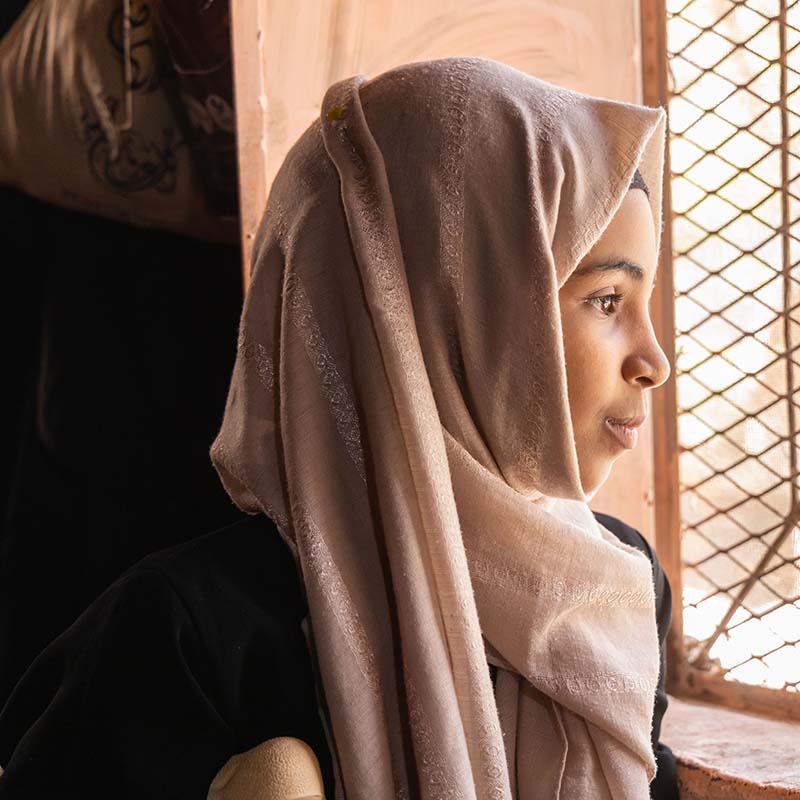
[(399, 407)]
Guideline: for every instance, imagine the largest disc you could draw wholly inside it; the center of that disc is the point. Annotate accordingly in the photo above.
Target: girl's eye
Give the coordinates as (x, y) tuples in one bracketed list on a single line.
[(603, 303)]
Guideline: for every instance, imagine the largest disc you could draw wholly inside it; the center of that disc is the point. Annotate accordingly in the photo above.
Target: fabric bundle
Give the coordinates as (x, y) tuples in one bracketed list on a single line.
[(399, 407), (89, 118)]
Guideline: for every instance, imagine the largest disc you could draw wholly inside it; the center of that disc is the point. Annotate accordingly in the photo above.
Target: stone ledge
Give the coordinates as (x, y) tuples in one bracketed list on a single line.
[(726, 754)]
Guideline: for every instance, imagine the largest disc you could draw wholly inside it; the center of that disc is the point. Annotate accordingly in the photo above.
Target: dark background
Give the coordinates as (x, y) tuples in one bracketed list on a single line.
[(120, 343)]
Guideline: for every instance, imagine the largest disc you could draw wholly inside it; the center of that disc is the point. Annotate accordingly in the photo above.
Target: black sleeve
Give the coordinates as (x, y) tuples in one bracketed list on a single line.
[(117, 706), (665, 783)]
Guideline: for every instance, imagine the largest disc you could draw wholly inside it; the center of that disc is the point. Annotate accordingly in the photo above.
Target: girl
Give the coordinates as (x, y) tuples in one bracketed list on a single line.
[(445, 346)]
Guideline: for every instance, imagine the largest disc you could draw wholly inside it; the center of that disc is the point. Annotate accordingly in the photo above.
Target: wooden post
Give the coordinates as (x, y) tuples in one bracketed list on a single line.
[(249, 79), (665, 418)]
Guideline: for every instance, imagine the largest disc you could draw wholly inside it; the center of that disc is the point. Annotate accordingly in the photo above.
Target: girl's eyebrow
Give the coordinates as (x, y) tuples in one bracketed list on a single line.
[(630, 268)]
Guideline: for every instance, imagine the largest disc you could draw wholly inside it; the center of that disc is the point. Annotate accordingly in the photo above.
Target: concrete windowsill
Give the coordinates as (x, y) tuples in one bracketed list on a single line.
[(724, 754)]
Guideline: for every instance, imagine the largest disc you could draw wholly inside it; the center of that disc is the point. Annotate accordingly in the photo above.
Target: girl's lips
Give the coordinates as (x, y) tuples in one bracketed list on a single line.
[(626, 435)]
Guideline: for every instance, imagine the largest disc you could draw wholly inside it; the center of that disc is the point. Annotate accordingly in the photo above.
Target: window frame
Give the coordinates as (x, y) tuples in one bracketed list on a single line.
[(682, 680)]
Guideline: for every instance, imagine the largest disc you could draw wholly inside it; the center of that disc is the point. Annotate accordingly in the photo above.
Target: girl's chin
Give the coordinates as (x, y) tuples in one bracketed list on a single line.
[(596, 474)]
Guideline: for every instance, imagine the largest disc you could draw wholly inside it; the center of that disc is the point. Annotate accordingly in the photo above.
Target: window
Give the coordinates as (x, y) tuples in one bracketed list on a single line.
[(728, 427)]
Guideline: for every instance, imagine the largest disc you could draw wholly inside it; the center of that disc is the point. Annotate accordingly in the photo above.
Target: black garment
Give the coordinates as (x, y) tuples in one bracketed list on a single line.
[(193, 655), (665, 784), (117, 376)]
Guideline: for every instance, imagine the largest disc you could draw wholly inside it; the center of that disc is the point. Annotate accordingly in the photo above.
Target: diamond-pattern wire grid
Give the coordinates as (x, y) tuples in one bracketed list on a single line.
[(734, 113)]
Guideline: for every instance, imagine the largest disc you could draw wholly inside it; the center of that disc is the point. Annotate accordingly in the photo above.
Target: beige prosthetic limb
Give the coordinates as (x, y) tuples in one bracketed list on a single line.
[(283, 768)]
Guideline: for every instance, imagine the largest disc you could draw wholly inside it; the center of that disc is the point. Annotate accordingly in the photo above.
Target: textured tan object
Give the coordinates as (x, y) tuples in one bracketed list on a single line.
[(724, 754), (283, 768), (399, 407)]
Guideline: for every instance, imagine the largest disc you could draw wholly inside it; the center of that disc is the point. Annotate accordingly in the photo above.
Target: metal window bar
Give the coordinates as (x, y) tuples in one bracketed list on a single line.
[(728, 72)]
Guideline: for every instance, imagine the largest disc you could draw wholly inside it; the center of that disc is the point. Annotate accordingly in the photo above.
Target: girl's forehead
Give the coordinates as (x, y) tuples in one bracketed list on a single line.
[(630, 235)]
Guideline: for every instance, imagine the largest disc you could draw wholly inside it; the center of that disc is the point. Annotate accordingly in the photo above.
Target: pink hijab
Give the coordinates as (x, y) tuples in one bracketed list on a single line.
[(399, 408)]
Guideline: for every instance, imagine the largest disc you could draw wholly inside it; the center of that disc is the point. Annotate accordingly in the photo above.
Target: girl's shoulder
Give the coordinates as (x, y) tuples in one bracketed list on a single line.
[(626, 533), (243, 564), (194, 654)]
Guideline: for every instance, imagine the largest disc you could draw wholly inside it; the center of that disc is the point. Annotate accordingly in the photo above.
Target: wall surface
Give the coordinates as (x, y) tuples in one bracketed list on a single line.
[(287, 54)]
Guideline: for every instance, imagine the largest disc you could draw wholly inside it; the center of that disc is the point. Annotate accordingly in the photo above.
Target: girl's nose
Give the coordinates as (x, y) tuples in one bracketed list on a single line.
[(647, 364)]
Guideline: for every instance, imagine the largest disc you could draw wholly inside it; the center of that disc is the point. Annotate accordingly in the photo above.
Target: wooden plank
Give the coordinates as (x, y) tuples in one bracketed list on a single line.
[(247, 43), (713, 688), (723, 753), (665, 417)]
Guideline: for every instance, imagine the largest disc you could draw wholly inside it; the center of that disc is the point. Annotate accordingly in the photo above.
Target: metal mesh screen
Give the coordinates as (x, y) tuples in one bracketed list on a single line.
[(734, 112)]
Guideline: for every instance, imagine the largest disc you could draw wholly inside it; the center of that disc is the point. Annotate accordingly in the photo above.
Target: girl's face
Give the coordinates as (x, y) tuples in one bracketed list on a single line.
[(612, 356)]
